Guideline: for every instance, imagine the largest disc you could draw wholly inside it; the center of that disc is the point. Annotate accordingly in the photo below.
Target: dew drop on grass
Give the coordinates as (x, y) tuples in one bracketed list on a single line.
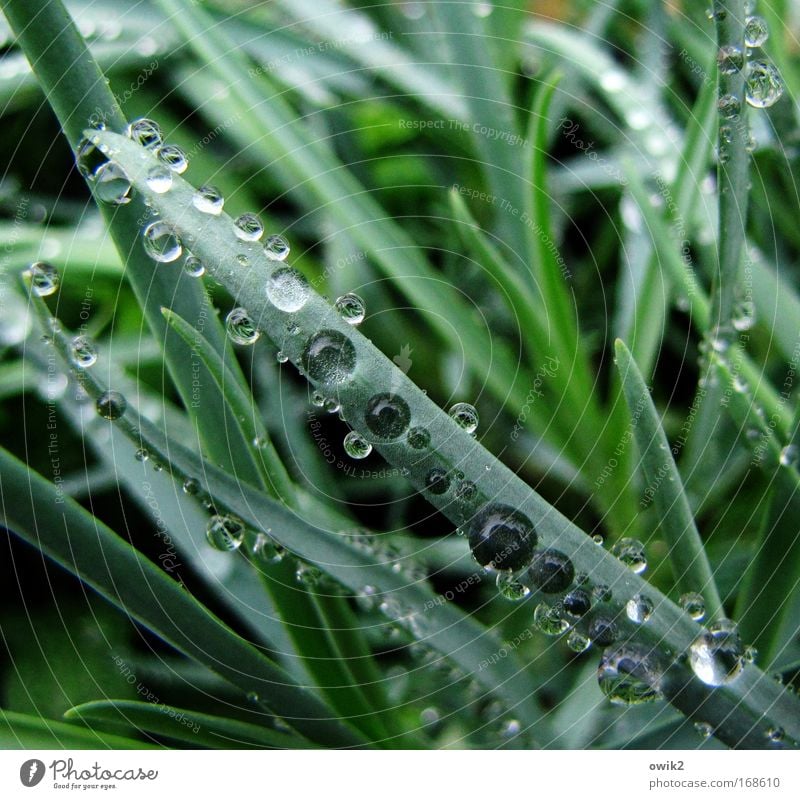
[(602, 593), (744, 315), (351, 308), (603, 631), (551, 571), (191, 486), (329, 357), (775, 734), (788, 455), (639, 608), (763, 84), (281, 356), (193, 266), (356, 446), (756, 31), (577, 641), (159, 179), (577, 603), (208, 200), (43, 277), (287, 290), (161, 242), (266, 550), (241, 328), (82, 352), (111, 184), (694, 604), (276, 248), (248, 227), (630, 552), (502, 537), (466, 490), (437, 481), (318, 399), (465, 416), (548, 620), (716, 655), (308, 575), (418, 438), (173, 158), (145, 132), (225, 532), (703, 729), (728, 106), (730, 59), (387, 415), (510, 588), (111, 405), (627, 675)]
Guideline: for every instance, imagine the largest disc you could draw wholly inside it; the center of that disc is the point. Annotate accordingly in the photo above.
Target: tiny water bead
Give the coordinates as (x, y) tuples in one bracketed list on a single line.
[(329, 357), (763, 84), (756, 31), (437, 481), (248, 227), (631, 553), (465, 416), (308, 575), (145, 132), (639, 608), (466, 490), (788, 455), (551, 571), (193, 266), (418, 438), (111, 184), (287, 290), (43, 277), (225, 532), (142, 455), (577, 641), (728, 106), (602, 593), (82, 352), (694, 604), (730, 59), (775, 734), (208, 200), (603, 631), (502, 537), (191, 486), (704, 729), (111, 405), (387, 415), (266, 550), (510, 588), (547, 620), (356, 446), (351, 308), (241, 328), (281, 356), (716, 655), (161, 242), (627, 675), (276, 248), (159, 179), (577, 603), (173, 158)]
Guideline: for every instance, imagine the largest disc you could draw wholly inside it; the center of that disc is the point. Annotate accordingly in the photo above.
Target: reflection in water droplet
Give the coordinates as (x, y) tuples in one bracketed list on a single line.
[(173, 158), (111, 184), (82, 352), (763, 84), (287, 290), (631, 553), (225, 532), (509, 587), (43, 277), (208, 200), (603, 631), (437, 481), (159, 179), (577, 602), (193, 266), (465, 416), (551, 571), (241, 328), (276, 247), (356, 446), (547, 620), (145, 132), (756, 31), (111, 405), (716, 655), (502, 537), (627, 675), (639, 608), (351, 308), (248, 227), (161, 242), (329, 357), (387, 415), (694, 604), (730, 59)]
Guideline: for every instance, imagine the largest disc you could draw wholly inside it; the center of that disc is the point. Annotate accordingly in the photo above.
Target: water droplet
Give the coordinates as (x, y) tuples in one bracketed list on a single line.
[(43, 277), (82, 352), (287, 290), (248, 227), (730, 59), (145, 132), (418, 438), (788, 455), (331, 405), (465, 415), (744, 315), (437, 481), (193, 266), (547, 620), (225, 532), (775, 734), (763, 84), (639, 608), (726, 134), (111, 405), (502, 537), (631, 553), (627, 675), (750, 654), (577, 602), (111, 184), (704, 729), (308, 575), (276, 247), (241, 328), (356, 446), (208, 200), (716, 655), (509, 587), (756, 31), (387, 415), (329, 357), (602, 593), (466, 490), (191, 486), (577, 641), (266, 550), (351, 308), (598, 539), (142, 455), (694, 604), (159, 179), (173, 158), (161, 242), (603, 631), (281, 356), (551, 571), (728, 106)]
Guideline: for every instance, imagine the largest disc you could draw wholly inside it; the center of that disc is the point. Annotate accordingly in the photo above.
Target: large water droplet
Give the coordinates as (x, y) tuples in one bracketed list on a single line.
[(329, 357), (248, 227), (465, 416), (387, 415), (627, 675), (173, 158), (551, 571), (225, 532), (111, 405), (756, 31), (287, 290), (43, 277), (716, 655), (548, 620), (241, 328), (502, 537), (509, 587), (763, 84), (631, 553), (209, 200), (111, 184), (145, 132), (82, 352), (694, 604), (276, 248), (159, 179), (351, 308), (161, 242), (356, 446), (639, 608)]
